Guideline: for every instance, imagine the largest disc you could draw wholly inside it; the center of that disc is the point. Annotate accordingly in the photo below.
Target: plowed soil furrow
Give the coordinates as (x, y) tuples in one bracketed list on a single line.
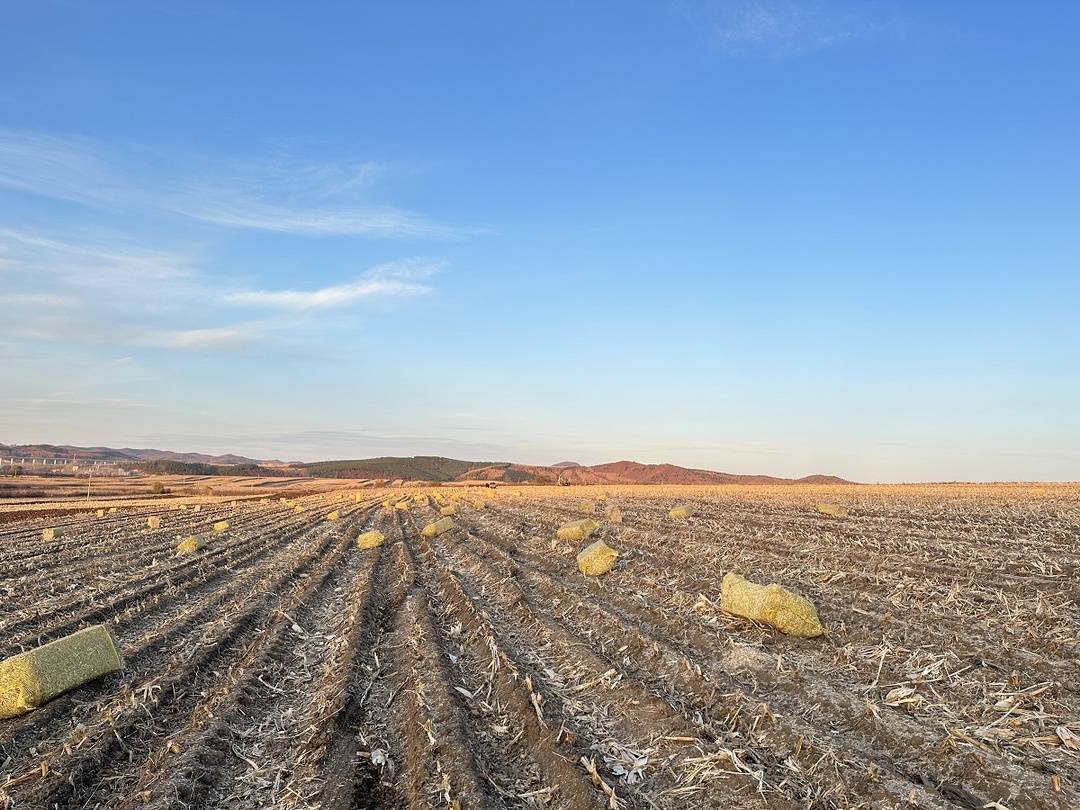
[(516, 772), (282, 666), (224, 554), (196, 646), (965, 781)]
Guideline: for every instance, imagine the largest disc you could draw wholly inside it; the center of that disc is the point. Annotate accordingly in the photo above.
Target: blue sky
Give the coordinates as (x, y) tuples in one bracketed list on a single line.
[(781, 237)]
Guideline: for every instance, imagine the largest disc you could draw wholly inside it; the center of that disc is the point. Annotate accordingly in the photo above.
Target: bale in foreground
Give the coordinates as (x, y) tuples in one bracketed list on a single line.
[(597, 559), (372, 539), (33, 678), (577, 529), (773, 605), (441, 525)]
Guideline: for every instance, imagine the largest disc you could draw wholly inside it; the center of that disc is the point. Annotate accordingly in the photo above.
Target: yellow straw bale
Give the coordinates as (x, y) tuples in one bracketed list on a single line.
[(335, 515), (100, 513), (441, 525), (683, 512), (389, 503), (372, 539), (588, 507), (221, 526), (197, 507), (772, 604), (832, 510), (298, 509), (153, 522), (597, 559), (403, 505), (577, 529), (51, 534), (448, 510), (31, 679), (613, 514), (112, 510), (190, 544)]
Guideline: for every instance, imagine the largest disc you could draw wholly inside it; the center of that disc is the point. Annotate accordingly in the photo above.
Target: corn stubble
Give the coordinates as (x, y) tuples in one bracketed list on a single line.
[(638, 660)]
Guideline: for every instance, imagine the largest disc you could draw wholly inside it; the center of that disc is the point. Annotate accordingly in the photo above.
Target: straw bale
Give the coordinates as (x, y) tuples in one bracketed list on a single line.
[(441, 525), (190, 544), (31, 679), (772, 604), (832, 510), (577, 529), (371, 539), (597, 559)]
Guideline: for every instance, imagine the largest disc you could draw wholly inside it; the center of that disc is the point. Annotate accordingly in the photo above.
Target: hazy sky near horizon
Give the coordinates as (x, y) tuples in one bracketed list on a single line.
[(760, 236)]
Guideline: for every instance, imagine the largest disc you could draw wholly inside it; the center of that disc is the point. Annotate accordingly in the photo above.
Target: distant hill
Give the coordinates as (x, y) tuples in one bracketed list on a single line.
[(117, 455), (409, 468), (415, 468), (437, 468)]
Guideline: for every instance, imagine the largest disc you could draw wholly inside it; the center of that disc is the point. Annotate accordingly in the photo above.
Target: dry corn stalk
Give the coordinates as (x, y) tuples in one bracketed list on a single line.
[(33, 678), (577, 529), (597, 558), (772, 604)]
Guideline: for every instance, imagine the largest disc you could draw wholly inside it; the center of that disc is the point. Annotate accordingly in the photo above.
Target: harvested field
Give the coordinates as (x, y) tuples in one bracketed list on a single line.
[(280, 665)]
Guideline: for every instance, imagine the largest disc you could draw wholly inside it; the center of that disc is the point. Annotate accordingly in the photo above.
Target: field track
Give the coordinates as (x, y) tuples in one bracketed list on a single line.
[(282, 667)]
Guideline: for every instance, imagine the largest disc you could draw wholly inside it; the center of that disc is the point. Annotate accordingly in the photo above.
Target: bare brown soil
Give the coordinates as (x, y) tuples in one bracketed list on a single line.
[(283, 667)]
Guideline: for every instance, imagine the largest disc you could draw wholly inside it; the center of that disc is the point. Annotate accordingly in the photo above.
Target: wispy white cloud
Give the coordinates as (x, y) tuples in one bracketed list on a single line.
[(782, 28), (63, 168), (275, 194), (235, 211), (103, 261), (393, 279), (106, 291), (217, 338)]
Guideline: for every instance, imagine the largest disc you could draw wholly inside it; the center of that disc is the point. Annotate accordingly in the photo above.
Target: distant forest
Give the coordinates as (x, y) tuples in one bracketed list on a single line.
[(164, 467)]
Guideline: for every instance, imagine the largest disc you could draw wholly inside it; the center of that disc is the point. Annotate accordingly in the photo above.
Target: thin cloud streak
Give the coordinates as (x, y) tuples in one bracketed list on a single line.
[(279, 196), (393, 279), (780, 28)]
